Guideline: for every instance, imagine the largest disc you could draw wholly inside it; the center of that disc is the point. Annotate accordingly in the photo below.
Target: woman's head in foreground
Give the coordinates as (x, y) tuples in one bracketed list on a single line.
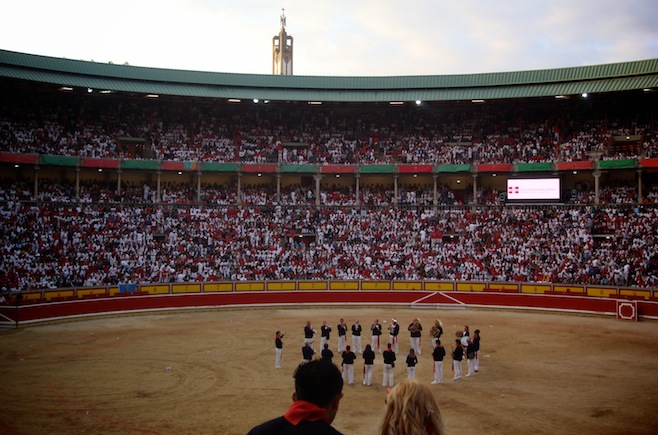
[(411, 410)]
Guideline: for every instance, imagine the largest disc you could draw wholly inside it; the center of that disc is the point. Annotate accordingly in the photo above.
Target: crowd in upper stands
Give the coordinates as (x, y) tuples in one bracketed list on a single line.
[(91, 127), (97, 235)]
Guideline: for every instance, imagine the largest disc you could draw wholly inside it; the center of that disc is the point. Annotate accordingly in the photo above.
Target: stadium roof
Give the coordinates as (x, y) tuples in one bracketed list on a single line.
[(626, 76)]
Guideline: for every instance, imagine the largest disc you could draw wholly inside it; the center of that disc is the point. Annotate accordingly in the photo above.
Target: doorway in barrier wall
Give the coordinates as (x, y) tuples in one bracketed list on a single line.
[(627, 310)]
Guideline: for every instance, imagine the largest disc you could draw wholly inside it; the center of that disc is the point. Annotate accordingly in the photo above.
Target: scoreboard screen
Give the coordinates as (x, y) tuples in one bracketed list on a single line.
[(533, 189)]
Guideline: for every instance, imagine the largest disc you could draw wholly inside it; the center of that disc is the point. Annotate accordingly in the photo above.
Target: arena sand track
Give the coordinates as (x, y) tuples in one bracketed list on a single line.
[(212, 372)]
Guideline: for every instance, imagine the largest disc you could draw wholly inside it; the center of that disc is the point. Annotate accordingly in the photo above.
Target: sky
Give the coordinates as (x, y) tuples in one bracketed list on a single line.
[(338, 37)]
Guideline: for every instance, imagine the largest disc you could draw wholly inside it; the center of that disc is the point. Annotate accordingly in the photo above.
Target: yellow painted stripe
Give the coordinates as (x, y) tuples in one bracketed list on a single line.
[(600, 291), (313, 285), (256, 286), (439, 286), (631, 292), (218, 287), (186, 288), (376, 285), (569, 288), (344, 285), (91, 291), (58, 294), (407, 285), (284, 285), (470, 287), (535, 288), (155, 289)]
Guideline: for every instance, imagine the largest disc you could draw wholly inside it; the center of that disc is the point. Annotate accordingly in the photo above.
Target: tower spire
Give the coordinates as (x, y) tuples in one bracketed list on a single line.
[(282, 49)]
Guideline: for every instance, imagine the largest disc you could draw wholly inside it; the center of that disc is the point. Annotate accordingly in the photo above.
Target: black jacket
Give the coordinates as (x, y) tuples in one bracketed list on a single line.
[(281, 426)]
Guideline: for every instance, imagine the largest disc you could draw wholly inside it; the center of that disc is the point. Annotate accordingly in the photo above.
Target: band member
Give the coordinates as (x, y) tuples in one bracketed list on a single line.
[(308, 334), (438, 354), (376, 330), (394, 331), (368, 365), (325, 332), (342, 335), (348, 365), (415, 329), (278, 347), (476, 342), (465, 336), (412, 360), (389, 364), (436, 331), (326, 353), (457, 355), (470, 356), (356, 336), (307, 353)]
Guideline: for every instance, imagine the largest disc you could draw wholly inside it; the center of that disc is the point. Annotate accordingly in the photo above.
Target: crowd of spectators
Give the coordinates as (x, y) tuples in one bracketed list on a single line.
[(53, 244), (87, 127), (95, 235)]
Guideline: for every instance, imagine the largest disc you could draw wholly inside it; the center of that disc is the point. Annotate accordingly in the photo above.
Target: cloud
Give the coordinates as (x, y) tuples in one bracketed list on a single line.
[(339, 38)]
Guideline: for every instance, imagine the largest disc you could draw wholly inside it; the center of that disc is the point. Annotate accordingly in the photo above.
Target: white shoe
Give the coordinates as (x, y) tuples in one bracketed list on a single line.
[(435, 382)]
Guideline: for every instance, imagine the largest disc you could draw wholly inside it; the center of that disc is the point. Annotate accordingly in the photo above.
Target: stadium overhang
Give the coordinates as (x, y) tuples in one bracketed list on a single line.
[(619, 77)]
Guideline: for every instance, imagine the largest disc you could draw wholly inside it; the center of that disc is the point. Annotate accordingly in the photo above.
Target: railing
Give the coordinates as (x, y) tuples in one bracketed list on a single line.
[(181, 288)]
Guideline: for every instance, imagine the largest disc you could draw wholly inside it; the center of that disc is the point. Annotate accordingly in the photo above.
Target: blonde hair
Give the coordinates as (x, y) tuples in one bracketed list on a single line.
[(412, 410)]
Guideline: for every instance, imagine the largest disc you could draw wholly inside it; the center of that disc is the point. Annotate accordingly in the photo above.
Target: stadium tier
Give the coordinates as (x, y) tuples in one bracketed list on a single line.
[(102, 185)]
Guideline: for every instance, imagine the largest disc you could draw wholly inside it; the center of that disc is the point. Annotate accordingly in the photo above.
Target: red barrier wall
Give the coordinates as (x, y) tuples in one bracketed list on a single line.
[(111, 305)]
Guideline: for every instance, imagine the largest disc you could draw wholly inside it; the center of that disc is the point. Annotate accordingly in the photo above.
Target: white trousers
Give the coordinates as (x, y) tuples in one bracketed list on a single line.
[(356, 343), (438, 371), (277, 362), (415, 345), (411, 372), (388, 375), (341, 343), (471, 367), (457, 367), (368, 370), (348, 373), (376, 346)]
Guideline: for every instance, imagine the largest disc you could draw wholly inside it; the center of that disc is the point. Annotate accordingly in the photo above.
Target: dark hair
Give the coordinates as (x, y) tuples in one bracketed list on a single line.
[(318, 381)]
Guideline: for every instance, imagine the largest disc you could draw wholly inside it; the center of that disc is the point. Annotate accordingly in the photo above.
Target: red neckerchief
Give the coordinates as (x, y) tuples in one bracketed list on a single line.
[(304, 411)]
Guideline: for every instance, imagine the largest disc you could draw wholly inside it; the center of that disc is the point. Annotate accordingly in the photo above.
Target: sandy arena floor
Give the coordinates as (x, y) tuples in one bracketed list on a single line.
[(212, 372)]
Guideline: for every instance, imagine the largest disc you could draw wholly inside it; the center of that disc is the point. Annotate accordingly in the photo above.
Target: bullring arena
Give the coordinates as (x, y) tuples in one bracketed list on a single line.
[(168, 367), (158, 227)]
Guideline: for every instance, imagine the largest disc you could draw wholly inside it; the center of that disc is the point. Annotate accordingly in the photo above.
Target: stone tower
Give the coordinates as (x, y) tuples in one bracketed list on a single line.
[(282, 50)]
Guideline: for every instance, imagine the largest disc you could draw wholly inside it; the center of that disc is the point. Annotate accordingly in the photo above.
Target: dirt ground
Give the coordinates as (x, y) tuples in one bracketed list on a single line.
[(212, 372)]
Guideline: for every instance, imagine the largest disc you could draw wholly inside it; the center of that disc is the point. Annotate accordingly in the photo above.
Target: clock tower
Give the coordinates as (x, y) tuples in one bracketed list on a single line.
[(282, 50)]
